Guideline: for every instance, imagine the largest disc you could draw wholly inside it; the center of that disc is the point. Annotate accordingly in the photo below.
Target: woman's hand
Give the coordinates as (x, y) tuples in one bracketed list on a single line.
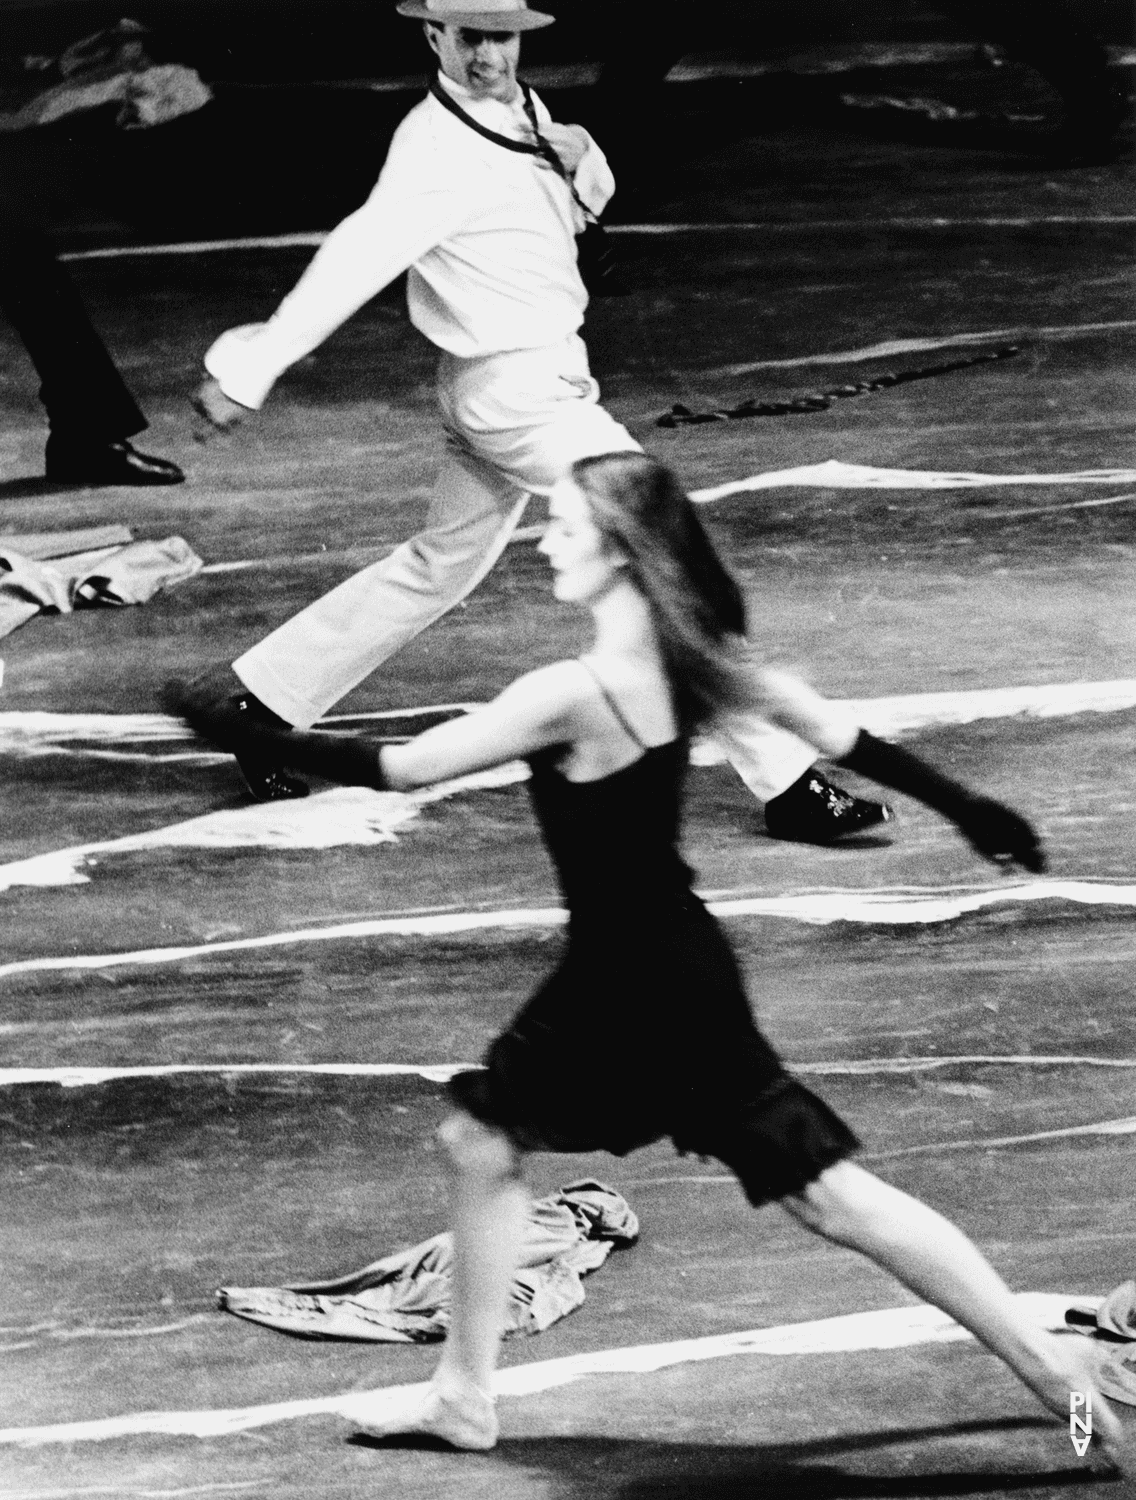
[(215, 717), (336, 757), (1001, 834)]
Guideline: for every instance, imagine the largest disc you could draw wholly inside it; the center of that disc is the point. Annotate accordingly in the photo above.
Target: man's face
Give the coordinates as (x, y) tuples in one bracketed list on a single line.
[(484, 62)]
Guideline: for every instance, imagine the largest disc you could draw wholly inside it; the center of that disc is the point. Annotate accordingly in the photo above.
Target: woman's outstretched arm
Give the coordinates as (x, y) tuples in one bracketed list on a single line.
[(536, 711), (993, 829)]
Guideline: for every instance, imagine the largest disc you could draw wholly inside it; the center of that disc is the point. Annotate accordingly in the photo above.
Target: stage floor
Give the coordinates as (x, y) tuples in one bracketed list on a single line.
[(128, 1199)]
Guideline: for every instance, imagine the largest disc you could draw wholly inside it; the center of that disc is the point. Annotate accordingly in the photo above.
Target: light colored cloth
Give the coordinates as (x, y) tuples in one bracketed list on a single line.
[(529, 413), (489, 236), (767, 758), (110, 67), (146, 98), (1110, 1318), (1113, 1319), (516, 423), (112, 575), (405, 1298)]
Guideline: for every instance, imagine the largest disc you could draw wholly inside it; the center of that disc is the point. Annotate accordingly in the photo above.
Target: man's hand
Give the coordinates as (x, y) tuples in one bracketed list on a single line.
[(570, 142), (1001, 834), (217, 409)]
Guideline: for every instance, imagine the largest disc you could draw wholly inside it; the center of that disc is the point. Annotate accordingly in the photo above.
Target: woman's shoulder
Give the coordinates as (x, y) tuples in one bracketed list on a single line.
[(564, 684)]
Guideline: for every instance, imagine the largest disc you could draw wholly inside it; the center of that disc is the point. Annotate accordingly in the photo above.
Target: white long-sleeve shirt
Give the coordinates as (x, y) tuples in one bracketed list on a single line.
[(488, 235)]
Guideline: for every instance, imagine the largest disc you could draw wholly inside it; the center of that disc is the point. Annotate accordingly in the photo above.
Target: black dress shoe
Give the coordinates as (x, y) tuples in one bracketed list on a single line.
[(266, 781), (75, 461), (813, 811)]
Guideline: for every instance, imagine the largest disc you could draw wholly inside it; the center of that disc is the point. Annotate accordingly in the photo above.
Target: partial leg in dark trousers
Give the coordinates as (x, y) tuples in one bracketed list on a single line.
[(90, 412)]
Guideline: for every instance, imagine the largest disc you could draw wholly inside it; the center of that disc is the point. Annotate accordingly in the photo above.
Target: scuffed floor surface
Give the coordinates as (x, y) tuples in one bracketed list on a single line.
[(986, 1057)]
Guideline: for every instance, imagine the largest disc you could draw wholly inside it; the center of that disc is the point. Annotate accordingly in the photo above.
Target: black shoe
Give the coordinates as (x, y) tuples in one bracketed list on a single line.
[(813, 811), (74, 461), (267, 782)]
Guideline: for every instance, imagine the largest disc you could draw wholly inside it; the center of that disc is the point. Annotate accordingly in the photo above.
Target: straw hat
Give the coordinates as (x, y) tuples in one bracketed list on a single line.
[(492, 15)]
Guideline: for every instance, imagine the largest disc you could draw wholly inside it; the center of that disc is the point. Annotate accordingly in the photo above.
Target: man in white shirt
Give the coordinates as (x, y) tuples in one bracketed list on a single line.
[(480, 201)]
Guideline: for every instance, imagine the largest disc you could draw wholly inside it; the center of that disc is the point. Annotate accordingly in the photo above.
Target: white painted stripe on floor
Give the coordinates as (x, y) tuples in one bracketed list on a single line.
[(62, 1334), (884, 908), (37, 733), (1044, 510), (140, 757), (122, 1492), (833, 474), (73, 1077), (344, 816), (312, 239), (888, 348), (910, 711), (243, 565), (891, 1328), (302, 240), (892, 221), (861, 1067), (427, 926), (1124, 1126), (903, 909)]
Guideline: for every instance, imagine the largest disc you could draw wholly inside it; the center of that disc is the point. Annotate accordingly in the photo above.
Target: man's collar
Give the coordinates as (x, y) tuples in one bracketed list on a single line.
[(466, 97)]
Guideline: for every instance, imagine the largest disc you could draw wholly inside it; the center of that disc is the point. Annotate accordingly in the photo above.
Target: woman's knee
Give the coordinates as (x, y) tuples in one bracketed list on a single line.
[(836, 1205), (474, 1149)]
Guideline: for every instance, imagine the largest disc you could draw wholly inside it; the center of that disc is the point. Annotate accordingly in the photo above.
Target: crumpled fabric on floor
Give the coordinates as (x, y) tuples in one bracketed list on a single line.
[(1117, 1313), (109, 67), (1113, 1316), (120, 575), (1117, 1376), (1114, 1319), (405, 1298)]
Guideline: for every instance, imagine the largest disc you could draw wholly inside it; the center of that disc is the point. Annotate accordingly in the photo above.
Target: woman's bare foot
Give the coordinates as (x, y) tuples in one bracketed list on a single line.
[(462, 1416)]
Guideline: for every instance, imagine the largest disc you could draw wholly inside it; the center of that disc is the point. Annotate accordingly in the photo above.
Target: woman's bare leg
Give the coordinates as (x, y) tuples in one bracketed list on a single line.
[(488, 1209), (940, 1264)]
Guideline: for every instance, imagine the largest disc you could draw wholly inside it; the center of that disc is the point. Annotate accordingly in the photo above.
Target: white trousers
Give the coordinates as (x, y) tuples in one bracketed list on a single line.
[(515, 424)]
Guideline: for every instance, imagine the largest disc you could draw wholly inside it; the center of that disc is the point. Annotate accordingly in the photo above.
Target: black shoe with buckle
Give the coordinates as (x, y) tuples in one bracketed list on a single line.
[(266, 782), (814, 811)]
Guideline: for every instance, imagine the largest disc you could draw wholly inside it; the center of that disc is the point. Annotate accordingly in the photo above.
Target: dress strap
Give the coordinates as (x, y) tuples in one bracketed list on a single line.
[(607, 697)]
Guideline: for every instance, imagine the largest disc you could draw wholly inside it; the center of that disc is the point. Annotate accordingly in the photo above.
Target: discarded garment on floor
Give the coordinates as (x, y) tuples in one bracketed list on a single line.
[(128, 574), (110, 67), (1113, 1320), (405, 1298), (1113, 1317)]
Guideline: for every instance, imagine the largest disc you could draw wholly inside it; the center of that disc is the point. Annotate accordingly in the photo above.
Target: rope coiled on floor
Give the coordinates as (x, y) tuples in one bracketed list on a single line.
[(682, 416)]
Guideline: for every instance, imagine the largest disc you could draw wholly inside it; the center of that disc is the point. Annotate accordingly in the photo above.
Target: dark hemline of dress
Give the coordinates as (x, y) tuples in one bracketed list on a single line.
[(644, 1030)]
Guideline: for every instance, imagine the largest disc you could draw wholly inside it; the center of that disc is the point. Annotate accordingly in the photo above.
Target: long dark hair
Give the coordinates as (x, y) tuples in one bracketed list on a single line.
[(698, 610)]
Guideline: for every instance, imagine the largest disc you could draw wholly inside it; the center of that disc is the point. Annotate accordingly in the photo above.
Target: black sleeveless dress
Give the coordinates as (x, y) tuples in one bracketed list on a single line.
[(644, 1029)]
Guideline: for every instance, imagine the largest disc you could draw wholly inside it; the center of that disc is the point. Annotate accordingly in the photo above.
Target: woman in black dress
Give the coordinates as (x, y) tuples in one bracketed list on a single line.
[(647, 980)]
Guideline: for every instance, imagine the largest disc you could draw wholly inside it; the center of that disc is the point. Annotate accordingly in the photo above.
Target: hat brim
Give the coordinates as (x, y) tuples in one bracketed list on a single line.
[(477, 20)]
